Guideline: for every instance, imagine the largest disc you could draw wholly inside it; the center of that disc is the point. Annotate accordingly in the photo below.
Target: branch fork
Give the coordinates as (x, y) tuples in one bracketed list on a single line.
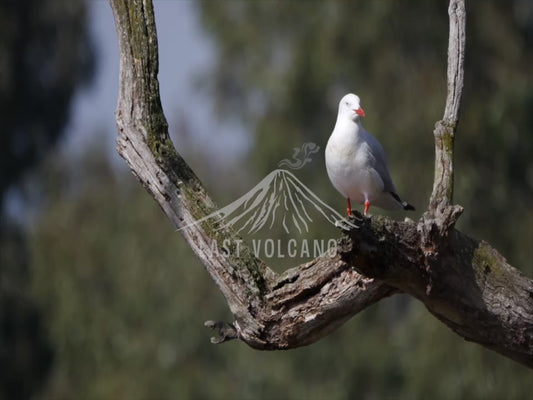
[(463, 282)]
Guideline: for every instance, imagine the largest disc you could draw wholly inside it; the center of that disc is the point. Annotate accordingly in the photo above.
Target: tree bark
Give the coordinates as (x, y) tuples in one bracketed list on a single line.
[(465, 283)]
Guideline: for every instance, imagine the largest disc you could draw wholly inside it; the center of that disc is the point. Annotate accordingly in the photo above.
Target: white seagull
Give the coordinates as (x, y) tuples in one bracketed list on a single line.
[(356, 162)]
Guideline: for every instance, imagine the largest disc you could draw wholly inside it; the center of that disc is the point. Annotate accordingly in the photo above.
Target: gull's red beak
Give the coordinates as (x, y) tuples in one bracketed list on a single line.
[(360, 112)]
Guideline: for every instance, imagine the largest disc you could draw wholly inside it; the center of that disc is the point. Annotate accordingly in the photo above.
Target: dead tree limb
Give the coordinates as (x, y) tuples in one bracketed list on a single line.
[(465, 283)]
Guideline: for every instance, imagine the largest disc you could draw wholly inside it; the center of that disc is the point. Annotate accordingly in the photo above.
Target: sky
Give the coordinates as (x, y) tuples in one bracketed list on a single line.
[(186, 55)]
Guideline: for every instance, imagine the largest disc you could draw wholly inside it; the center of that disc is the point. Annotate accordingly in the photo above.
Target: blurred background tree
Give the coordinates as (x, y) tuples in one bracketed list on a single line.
[(124, 299), (45, 55)]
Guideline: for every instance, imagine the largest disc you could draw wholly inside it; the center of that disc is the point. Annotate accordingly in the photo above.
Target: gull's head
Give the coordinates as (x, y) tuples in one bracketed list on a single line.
[(350, 106)]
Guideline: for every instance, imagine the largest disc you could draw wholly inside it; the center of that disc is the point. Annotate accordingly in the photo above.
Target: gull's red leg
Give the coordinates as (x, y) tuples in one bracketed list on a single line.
[(367, 206), (349, 207)]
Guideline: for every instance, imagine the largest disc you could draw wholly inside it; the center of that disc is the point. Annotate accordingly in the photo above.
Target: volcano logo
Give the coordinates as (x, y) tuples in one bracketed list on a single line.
[(279, 198)]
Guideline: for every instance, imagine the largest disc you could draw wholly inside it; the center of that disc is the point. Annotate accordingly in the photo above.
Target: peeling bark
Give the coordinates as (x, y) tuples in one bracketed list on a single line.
[(463, 282)]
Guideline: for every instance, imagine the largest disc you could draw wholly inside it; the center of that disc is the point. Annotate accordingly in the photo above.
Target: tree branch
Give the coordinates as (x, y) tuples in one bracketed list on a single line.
[(258, 298), (463, 282), (445, 129)]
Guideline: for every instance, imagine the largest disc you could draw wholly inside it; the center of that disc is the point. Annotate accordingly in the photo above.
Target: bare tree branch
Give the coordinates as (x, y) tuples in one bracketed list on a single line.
[(445, 129), (463, 282), (258, 298)]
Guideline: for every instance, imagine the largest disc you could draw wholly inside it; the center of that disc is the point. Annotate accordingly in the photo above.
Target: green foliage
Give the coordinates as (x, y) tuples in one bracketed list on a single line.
[(122, 307), (284, 67)]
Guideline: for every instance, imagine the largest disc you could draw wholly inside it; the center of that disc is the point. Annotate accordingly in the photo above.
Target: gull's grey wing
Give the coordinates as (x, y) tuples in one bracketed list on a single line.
[(380, 162)]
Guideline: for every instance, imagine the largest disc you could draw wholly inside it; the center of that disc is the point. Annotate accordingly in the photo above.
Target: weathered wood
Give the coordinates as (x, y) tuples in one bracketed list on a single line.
[(445, 129), (465, 283)]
